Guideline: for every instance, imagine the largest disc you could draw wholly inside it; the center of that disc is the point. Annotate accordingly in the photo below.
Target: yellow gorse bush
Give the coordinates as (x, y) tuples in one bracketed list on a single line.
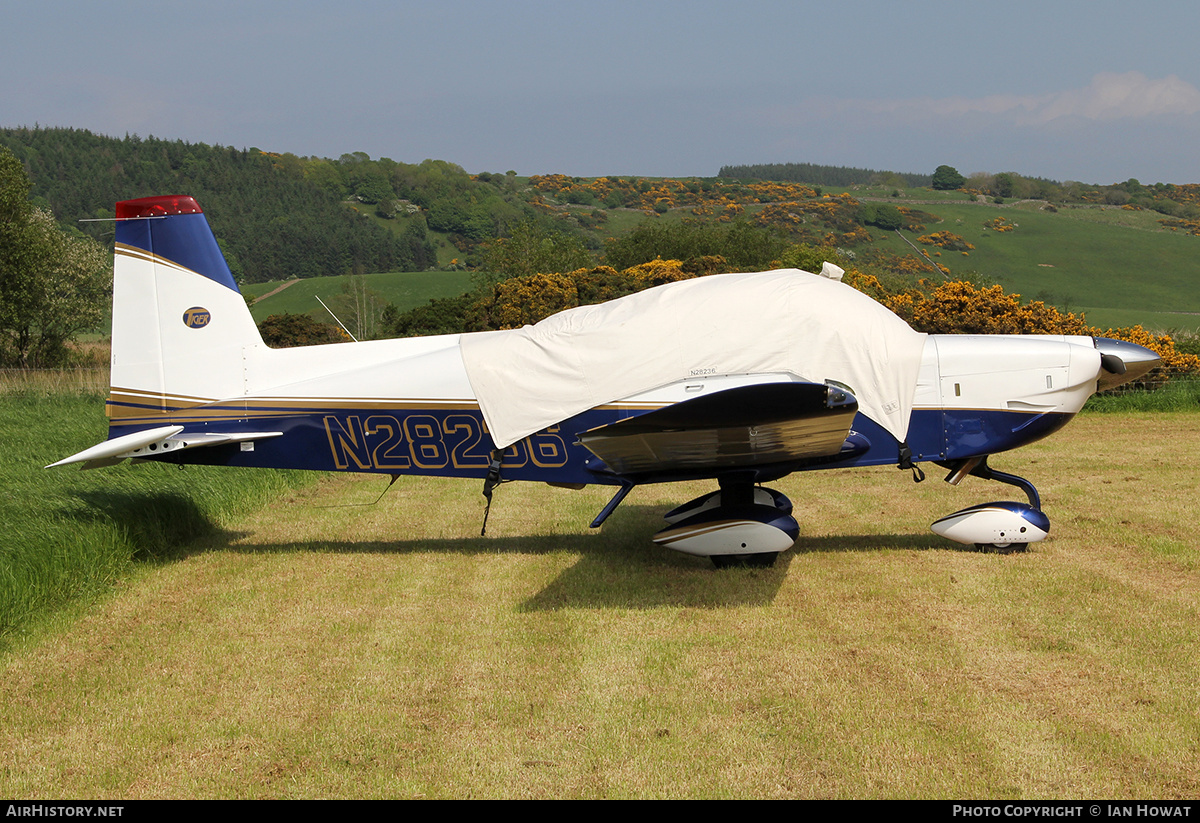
[(945, 240), (1000, 224)]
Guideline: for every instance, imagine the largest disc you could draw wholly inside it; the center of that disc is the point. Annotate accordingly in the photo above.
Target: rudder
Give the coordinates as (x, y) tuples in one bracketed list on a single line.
[(181, 328)]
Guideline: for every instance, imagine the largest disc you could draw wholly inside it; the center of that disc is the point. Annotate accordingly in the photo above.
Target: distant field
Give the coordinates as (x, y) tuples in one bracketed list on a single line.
[(885, 193), (1106, 318), (1117, 266), (406, 289)]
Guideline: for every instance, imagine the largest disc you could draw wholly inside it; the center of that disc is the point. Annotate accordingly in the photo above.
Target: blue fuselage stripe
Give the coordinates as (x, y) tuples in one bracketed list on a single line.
[(455, 443)]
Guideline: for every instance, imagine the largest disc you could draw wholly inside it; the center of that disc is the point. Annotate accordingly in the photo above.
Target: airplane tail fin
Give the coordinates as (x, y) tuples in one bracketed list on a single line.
[(181, 329)]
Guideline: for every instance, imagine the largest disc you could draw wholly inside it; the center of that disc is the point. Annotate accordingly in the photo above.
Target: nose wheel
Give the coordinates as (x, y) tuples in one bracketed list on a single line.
[(762, 560)]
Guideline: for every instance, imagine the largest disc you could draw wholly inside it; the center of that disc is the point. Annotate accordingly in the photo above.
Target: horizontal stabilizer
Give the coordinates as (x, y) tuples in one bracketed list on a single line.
[(151, 442), (118, 445), (747, 426), (190, 441)]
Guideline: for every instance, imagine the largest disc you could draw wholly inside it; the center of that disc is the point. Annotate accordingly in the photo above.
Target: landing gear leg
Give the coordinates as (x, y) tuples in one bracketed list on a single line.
[(737, 491), (986, 472)]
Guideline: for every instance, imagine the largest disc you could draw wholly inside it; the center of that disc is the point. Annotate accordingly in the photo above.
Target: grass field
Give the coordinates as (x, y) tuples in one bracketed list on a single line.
[(406, 289), (323, 646), (1161, 321)]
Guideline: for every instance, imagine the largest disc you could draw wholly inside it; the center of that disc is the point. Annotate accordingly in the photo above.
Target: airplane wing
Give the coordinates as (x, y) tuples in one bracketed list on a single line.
[(747, 426)]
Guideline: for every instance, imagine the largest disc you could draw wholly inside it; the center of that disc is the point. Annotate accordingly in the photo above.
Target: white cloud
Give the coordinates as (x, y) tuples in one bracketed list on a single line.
[(1110, 96), (1113, 96)]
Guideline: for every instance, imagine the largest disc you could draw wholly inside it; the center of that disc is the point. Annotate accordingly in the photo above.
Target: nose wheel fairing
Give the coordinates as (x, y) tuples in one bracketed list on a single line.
[(1000, 524)]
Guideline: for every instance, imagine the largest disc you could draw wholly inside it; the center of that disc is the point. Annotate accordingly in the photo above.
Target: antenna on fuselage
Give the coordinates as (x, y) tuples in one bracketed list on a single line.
[(937, 267), (335, 319)]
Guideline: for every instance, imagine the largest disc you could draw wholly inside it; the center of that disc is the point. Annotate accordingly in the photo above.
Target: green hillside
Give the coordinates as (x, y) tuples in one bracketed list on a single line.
[(272, 220), (1100, 250), (1119, 267), (1117, 274)]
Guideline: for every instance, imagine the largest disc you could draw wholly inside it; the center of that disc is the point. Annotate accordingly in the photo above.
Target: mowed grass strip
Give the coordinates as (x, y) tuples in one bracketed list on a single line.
[(328, 647)]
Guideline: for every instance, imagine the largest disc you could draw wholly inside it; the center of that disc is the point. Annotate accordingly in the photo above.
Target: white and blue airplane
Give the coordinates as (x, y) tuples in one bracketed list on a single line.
[(737, 378)]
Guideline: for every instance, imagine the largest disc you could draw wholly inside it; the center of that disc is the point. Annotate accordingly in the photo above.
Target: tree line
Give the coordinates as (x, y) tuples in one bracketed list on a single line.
[(813, 174), (272, 222)]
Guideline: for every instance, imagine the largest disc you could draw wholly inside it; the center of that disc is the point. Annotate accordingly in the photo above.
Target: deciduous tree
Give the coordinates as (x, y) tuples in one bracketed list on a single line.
[(947, 178), (531, 249), (52, 285)]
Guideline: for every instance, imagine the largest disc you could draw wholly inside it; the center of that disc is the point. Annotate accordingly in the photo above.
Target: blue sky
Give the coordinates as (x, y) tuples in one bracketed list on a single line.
[(1092, 91)]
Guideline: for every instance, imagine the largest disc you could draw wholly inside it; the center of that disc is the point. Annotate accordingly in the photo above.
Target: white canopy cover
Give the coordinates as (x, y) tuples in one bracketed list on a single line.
[(787, 320)]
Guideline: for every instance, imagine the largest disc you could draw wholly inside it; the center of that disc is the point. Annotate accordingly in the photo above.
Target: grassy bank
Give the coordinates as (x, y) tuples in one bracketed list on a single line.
[(70, 535), (1075, 263)]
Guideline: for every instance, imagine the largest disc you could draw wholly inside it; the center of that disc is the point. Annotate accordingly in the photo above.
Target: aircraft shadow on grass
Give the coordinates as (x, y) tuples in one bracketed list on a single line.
[(159, 525), (616, 568)]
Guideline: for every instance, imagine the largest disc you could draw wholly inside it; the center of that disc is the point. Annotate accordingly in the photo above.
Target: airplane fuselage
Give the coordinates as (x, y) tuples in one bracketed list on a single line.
[(975, 396)]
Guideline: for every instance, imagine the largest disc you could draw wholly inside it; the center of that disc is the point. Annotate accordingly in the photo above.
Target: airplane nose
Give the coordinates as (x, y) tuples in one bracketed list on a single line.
[(1121, 362)]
